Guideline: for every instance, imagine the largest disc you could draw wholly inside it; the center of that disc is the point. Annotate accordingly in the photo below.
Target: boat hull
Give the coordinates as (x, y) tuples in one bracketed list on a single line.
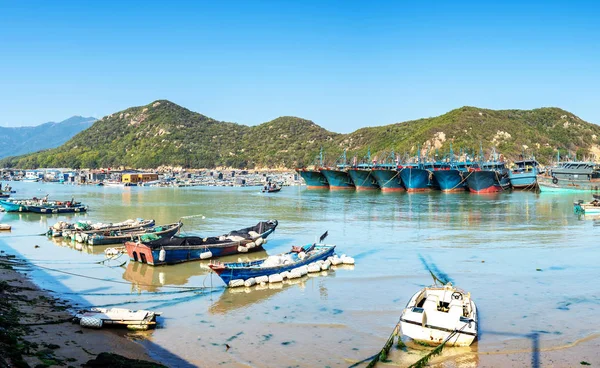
[(53, 210), (174, 254), (229, 274), (526, 180), (450, 180), (338, 179), (96, 239), (415, 180), (314, 179), (486, 181), (388, 180), (363, 179), (550, 184), (13, 207)]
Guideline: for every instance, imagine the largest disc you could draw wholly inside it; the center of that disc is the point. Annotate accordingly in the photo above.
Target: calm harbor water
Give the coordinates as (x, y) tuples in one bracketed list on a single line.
[(526, 259)]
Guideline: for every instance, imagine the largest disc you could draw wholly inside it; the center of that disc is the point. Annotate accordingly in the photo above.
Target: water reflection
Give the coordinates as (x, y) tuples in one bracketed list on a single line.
[(151, 278)]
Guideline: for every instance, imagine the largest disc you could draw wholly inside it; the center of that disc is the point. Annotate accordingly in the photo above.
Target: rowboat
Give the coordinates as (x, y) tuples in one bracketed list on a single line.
[(192, 248), (235, 274), (270, 190), (134, 320), (440, 313), (114, 237)]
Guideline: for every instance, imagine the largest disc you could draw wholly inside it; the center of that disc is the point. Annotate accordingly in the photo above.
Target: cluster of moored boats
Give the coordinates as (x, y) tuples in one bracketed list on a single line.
[(41, 205), (453, 176)]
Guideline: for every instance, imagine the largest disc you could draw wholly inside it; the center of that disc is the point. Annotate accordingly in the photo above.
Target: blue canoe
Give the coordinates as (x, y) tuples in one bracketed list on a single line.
[(246, 270)]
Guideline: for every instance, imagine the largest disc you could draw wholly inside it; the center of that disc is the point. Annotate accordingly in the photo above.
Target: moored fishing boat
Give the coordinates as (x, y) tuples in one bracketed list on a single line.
[(63, 208), (38, 204), (235, 274), (114, 237), (490, 177), (191, 248), (438, 313), (524, 174), (313, 177), (363, 178), (388, 178), (338, 177), (415, 178), (82, 229), (571, 176), (452, 178)]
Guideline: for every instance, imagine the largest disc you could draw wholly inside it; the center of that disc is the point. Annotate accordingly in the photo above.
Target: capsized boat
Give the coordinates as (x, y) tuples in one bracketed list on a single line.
[(437, 313), (192, 248), (134, 320), (235, 274), (114, 237)]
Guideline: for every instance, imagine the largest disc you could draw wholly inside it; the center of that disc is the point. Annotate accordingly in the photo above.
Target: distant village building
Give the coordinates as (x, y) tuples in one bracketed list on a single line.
[(138, 177)]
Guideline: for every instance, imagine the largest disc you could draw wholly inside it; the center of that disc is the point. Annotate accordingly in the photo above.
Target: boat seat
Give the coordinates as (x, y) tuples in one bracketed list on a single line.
[(455, 311)]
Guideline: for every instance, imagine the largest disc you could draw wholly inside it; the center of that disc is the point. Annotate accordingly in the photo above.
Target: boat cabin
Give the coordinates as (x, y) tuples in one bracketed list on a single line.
[(523, 166)]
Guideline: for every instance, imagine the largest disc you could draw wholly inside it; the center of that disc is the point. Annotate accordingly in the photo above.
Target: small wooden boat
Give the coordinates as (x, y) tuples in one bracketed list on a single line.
[(4, 227), (270, 189), (114, 237), (134, 320), (235, 274), (192, 248), (439, 313), (80, 231), (590, 208), (41, 205)]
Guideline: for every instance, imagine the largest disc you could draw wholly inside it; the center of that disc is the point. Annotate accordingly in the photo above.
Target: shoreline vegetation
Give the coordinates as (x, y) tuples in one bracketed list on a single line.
[(36, 330)]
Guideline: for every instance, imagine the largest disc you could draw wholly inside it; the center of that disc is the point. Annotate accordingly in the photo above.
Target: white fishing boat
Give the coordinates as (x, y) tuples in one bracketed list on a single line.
[(134, 320), (439, 313)]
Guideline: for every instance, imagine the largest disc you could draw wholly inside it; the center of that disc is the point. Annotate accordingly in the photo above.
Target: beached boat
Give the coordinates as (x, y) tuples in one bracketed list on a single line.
[(235, 274), (437, 313), (134, 320), (571, 176), (114, 237), (81, 230), (192, 248), (524, 174)]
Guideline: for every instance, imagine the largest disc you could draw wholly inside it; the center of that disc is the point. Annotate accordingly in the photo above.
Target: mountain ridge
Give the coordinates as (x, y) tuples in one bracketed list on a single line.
[(163, 133), (27, 139)]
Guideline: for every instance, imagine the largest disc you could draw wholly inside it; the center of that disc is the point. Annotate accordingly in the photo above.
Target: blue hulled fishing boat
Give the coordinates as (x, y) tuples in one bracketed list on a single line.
[(338, 177), (524, 174), (313, 177), (452, 177), (362, 176), (298, 257), (387, 175), (415, 176)]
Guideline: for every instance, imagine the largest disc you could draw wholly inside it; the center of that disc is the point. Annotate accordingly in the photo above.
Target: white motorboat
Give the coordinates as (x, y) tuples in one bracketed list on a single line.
[(439, 313), (134, 320)]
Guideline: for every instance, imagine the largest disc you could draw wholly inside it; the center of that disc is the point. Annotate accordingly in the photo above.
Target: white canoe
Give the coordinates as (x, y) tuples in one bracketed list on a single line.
[(436, 312)]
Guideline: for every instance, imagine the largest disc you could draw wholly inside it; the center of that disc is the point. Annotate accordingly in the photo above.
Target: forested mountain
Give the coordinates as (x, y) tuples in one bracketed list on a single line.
[(163, 133)]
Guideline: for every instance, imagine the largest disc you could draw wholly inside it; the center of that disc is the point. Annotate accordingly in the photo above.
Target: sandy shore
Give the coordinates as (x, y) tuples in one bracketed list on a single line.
[(35, 328)]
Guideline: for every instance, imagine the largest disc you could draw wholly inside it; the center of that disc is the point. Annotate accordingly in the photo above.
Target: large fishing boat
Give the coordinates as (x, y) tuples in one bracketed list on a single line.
[(570, 176), (488, 177), (415, 177), (313, 177), (387, 175), (452, 178), (524, 174), (362, 176), (338, 177)]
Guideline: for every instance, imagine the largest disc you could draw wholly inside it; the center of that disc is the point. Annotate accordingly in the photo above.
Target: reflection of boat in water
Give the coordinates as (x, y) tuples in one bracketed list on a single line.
[(149, 278), (236, 298)]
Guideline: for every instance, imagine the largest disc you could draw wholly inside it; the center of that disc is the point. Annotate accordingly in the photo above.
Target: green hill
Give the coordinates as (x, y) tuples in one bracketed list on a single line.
[(163, 133)]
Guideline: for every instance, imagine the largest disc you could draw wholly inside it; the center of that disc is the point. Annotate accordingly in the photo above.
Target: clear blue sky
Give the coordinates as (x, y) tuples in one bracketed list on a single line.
[(342, 64)]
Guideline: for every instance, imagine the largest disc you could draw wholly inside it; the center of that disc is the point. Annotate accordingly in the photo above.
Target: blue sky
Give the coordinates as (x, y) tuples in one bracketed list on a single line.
[(342, 64)]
